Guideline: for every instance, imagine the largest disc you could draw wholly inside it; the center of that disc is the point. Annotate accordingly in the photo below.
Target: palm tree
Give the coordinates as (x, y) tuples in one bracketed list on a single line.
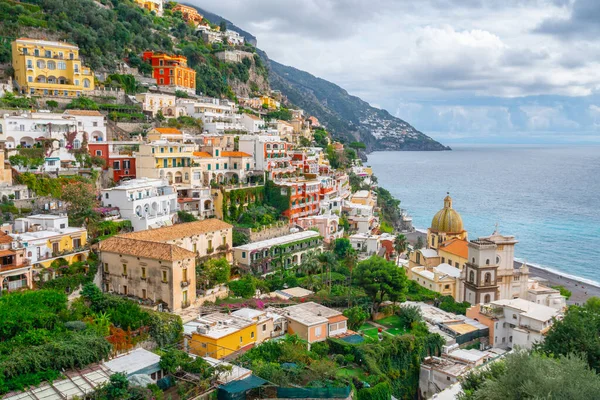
[(400, 245), (310, 263), (328, 260), (350, 260)]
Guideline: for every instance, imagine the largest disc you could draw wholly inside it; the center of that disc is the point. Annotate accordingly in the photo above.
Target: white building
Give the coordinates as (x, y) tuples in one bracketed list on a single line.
[(155, 102), (252, 123), (234, 56), (269, 152), (544, 295), (69, 131), (368, 243), (360, 216), (515, 322), (217, 115), (147, 203)]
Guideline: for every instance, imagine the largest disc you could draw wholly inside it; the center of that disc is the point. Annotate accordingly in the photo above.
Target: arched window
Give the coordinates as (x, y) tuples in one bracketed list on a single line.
[(41, 64), (487, 278), (497, 259), (187, 176), (487, 298), (487, 261), (471, 277), (51, 65), (473, 260), (86, 83), (76, 144), (433, 240)]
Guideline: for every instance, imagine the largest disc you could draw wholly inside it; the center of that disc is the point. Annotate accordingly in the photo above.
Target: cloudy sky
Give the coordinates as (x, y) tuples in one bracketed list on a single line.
[(459, 70)]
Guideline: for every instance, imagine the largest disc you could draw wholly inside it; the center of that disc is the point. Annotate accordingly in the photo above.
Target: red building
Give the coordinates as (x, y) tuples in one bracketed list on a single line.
[(118, 157), (171, 70)]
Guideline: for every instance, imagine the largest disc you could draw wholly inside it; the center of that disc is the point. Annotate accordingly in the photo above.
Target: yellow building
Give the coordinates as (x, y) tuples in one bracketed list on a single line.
[(269, 102), (48, 238), (446, 224), (164, 159), (218, 335), (49, 68), (454, 252), (152, 6)]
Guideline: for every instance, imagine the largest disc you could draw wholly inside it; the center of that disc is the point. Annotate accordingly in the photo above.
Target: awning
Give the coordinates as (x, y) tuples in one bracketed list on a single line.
[(243, 385)]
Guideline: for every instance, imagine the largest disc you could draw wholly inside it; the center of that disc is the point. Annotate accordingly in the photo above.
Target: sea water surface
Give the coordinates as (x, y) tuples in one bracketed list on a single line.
[(547, 196)]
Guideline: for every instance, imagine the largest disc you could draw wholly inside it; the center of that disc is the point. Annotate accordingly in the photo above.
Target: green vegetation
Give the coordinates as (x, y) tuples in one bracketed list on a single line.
[(381, 280), (563, 291), (356, 317), (213, 272), (185, 216), (10, 101), (525, 375), (83, 103)]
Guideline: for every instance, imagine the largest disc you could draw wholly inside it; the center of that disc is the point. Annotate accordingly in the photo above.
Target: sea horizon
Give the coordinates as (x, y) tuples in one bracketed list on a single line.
[(528, 189)]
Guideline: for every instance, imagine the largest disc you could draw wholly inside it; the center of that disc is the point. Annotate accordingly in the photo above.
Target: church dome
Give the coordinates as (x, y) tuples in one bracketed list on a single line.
[(447, 220)]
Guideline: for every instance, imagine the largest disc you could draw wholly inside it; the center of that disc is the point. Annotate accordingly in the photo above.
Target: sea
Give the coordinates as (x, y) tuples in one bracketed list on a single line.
[(548, 196)]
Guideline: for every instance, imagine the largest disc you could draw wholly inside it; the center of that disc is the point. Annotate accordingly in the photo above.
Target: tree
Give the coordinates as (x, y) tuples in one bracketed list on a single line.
[(563, 291), (239, 238), (215, 271), (52, 104), (527, 375), (342, 248), (223, 26), (400, 244), (356, 317), (185, 216), (310, 263), (577, 332), (358, 145), (419, 244), (245, 287), (81, 200), (381, 280), (83, 103)]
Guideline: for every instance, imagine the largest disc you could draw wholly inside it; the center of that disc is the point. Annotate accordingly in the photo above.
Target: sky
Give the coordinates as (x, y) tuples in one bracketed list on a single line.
[(471, 71)]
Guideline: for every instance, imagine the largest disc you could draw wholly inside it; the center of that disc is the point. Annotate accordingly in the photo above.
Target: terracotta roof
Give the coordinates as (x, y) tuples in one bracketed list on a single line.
[(337, 318), (85, 113), (146, 249), (4, 253), (235, 154), (167, 130), (178, 231), (5, 238), (457, 247), (203, 154)]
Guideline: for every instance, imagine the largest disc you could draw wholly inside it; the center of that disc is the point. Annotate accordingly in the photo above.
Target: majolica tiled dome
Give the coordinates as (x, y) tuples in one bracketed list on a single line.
[(447, 220)]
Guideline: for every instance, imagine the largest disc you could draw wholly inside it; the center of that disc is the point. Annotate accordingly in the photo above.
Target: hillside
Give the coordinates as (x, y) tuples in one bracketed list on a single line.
[(110, 31)]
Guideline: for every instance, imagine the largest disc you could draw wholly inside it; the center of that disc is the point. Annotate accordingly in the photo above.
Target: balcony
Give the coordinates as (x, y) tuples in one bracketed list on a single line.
[(185, 283)]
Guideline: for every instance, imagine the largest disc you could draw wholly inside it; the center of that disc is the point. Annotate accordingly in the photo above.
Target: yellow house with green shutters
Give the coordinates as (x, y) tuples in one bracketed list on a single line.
[(218, 335), (47, 238)]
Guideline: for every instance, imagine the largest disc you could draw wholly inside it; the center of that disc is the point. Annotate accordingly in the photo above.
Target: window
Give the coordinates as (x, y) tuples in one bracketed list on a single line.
[(30, 79), (514, 316), (487, 261), (251, 335), (446, 287), (116, 165), (210, 243), (106, 267), (247, 166), (106, 195), (243, 254), (144, 294), (161, 63), (125, 290), (55, 248), (62, 65), (318, 331), (443, 260), (76, 82), (125, 269), (264, 327), (161, 71), (184, 275), (241, 339), (76, 243), (161, 81), (48, 53), (98, 152), (164, 276), (497, 260), (225, 166), (126, 164), (143, 272), (51, 65), (487, 298), (471, 277)]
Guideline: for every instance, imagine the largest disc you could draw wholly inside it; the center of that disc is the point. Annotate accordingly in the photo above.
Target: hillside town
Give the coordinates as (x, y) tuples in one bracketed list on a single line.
[(161, 242)]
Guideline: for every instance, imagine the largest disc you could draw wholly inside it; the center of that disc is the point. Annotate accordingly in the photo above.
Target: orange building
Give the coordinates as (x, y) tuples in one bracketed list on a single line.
[(190, 14), (171, 70)]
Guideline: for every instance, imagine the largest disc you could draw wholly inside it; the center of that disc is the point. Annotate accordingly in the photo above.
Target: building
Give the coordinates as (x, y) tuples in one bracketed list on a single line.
[(137, 362), (304, 197), (443, 279), (286, 251), (61, 134), (209, 238), (169, 160), (234, 56), (314, 322), (263, 320), (155, 102), (270, 154), (190, 14), (211, 36), (328, 225), (147, 203), (48, 68), (252, 123), (544, 295), (361, 217), (15, 269), (218, 335), (118, 157), (371, 244), (454, 252), (47, 238), (515, 322), (152, 271), (171, 70), (490, 273), (155, 6), (364, 197)]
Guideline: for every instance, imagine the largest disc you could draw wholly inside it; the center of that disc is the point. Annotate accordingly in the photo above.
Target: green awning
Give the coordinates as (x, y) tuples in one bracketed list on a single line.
[(243, 385)]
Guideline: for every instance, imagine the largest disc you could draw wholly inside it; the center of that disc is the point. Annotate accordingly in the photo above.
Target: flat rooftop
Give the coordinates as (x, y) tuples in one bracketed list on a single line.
[(310, 313), (133, 362), (218, 325), (279, 240)]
